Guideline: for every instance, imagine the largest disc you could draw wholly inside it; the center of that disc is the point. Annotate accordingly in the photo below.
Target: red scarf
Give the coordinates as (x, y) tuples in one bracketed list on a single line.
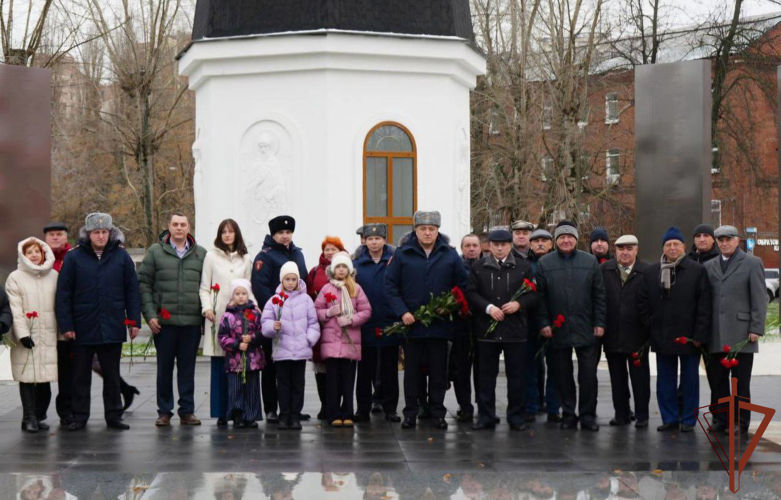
[(59, 256)]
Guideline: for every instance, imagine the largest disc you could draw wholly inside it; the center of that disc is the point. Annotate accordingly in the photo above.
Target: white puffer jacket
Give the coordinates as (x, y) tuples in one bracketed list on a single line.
[(31, 289), (220, 268)]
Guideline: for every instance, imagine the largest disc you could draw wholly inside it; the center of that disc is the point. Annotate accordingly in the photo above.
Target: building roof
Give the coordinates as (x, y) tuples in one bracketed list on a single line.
[(232, 18)]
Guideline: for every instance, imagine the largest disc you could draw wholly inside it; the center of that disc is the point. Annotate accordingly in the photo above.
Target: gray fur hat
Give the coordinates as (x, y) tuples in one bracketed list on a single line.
[(98, 220), (380, 230), (422, 218)]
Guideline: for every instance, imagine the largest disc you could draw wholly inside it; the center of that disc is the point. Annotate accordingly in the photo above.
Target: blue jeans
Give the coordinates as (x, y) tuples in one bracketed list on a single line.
[(667, 387)]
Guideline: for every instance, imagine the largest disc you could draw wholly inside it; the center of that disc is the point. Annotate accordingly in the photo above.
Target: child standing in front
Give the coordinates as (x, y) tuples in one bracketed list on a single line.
[(239, 336), (290, 319), (342, 307)]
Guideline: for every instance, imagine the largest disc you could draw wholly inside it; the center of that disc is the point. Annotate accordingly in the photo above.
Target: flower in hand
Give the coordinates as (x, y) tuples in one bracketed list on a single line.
[(243, 346), (334, 310), (277, 326)]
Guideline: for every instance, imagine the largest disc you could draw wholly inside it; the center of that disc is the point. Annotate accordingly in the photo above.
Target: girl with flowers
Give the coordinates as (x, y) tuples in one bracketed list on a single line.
[(227, 261), (342, 307), (289, 318), (239, 337), (31, 292)]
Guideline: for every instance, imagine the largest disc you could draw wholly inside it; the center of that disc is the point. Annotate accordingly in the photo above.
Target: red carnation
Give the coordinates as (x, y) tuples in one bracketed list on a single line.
[(284, 295), (530, 284), (635, 355), (637, 363), (249, 315), (165, 314), (130, 322), (31, 315), (681, 340), (726, 348), (329, 297), (378, 332), (275, 300), (734, 362), (216, 287), (559, 321), (726, 363)]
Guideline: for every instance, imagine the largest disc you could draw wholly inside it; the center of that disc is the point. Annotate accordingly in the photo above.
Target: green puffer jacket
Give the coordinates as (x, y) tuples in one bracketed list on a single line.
[(168, 282)]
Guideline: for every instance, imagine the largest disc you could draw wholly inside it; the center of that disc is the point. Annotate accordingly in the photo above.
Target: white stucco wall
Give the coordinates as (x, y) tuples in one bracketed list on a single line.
[(312, 100)]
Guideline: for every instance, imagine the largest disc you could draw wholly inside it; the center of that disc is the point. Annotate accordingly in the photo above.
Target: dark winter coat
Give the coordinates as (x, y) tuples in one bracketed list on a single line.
[(465, 327), (571, 285), (95, 296), (268, 263), (6, 319), (490, 283), (412, 278), (170, 283), (371, 277), (233, 325), (625, 332), (704, 257), (684, 311)]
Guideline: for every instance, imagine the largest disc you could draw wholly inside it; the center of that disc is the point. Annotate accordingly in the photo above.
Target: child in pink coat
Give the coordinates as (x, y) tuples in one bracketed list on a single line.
[(342, 307)]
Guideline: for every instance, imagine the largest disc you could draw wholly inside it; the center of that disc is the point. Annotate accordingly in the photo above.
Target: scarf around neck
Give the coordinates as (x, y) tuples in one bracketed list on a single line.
[(668, 268), (347, 303)]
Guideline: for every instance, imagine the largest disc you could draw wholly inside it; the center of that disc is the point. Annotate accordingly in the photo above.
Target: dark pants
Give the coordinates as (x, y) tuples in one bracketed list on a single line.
[(515, 370), (721, 387), (551, 393), (386, 359), (622, 368), (244, 396), (63, 402), (532, 365), (268, 378), (585, 394), (176, 346), (461, 371), (667, 387), (432, 352), (109, 356), (290, 377), (218, 396), (320, 383), (35, 399), (339, 387)]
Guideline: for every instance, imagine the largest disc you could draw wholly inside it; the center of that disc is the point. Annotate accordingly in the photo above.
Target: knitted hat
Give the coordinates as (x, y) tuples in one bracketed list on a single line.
[(672, 233), (341, 258), (421, 218), (97, 220), (380, 230), (289, 267), (704, 229), (565, 227), (281, 223), (332, 240), (55, 226), (500, 236), (540, 233), (241, 282), (599, 233)]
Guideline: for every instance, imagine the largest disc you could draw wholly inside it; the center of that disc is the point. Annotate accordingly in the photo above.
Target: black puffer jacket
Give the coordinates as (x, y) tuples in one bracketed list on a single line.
[(491, 284), (625, 332), (702, 258), (684, 311), (571, 285)]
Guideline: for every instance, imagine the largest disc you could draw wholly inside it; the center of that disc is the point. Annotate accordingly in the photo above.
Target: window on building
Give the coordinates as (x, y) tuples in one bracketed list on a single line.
[(494, 122), (547, 117), (547, 168), (715, 212), (612, 172), (390, 178), (611, 107)]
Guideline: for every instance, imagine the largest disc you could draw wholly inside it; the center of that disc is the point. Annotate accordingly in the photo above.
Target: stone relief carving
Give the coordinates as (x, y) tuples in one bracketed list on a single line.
[(266, 165)]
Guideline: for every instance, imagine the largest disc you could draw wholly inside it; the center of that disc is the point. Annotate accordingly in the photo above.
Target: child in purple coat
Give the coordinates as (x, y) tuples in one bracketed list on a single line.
[(239, 336), (290, 319)]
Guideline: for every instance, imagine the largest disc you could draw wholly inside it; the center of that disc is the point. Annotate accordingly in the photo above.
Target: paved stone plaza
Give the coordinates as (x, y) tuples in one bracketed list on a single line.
[(376, 460)]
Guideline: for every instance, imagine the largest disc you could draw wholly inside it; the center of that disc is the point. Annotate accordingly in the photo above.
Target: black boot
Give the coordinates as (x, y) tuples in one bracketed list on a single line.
[(129, 392), (27, 394)]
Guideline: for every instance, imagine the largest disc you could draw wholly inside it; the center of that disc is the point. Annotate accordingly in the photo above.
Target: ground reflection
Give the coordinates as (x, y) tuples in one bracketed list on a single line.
[(387, 486)]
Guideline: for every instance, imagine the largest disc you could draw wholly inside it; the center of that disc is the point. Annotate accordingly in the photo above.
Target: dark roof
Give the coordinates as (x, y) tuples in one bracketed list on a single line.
[(226, 18)]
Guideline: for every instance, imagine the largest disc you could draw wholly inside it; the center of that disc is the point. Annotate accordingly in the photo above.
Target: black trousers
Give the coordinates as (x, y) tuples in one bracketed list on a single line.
[(515, 364), (622, 368), (291, 379), (176, 346), (268, 378), (109, 356), (64, 380), (35, 399), (461, 371), (386, 360), (320, 383), (720, 380), (432, 352), (340, 388), (587, 383)]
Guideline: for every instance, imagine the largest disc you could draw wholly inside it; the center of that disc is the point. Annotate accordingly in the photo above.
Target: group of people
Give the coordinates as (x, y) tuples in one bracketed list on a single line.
[(532, 295)]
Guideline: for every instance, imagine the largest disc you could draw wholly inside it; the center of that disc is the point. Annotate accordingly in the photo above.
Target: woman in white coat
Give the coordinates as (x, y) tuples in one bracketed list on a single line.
[(31, 291), (227, 261)]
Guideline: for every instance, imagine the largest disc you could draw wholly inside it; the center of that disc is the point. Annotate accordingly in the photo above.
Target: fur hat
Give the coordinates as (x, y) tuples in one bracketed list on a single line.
[(380, 230), (281, 223), (341, 258), (289, 267), (97, 220), (421, 218)]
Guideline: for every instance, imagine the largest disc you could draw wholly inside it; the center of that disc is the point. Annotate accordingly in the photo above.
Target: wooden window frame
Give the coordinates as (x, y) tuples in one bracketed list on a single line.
[(390, 155)]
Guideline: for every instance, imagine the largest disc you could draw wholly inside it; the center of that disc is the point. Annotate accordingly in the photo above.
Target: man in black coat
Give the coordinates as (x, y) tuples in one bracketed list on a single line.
[(704, 247), (278, 249), (493, 284), (676, 304), (625, 333), (572, 299)]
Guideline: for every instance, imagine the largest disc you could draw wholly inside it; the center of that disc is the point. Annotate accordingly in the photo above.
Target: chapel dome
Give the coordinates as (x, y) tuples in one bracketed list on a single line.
[(230, 18)]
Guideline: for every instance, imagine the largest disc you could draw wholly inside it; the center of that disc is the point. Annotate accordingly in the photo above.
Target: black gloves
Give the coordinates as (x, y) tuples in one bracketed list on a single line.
[(27, 342)]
